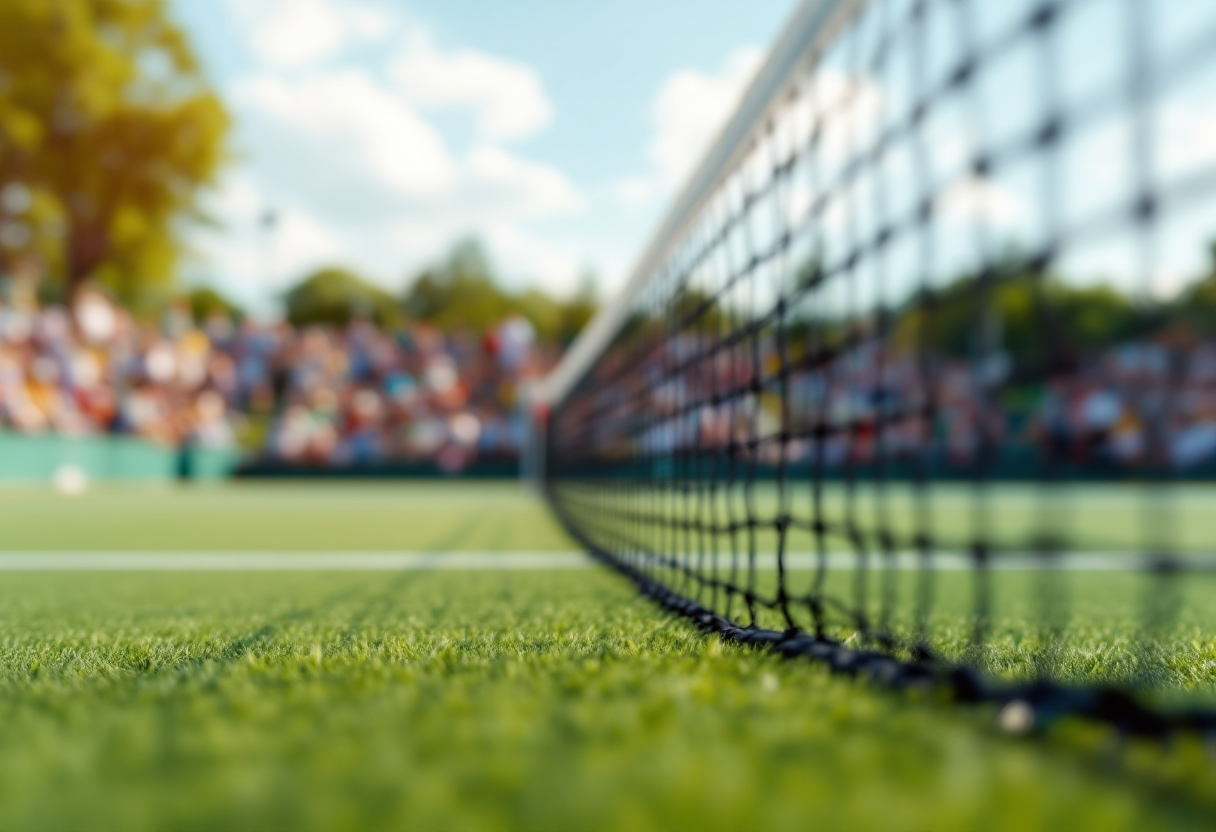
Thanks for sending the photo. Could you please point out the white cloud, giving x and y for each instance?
(346, 119)
(251, 263)
(523, 255)
(303, 240)
(634, 190)
(1186, 139)
(686, 114)
(976, 198)
(507, 97)
(691, 108)
(498, 197)
(552, 264)
(848, 106)
(298, 33)
(236, 198)
(527, 189)
(358, 176)
(340, 142)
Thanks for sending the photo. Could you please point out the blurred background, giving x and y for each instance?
(314, 236)
(347, 238)
(319, 235)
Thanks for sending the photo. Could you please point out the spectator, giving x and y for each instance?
(328, 395)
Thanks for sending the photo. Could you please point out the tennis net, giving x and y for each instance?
(918, 375)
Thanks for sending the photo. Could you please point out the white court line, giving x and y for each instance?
(262, 561)
(288, 561)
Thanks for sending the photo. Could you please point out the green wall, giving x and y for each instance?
(26, 458)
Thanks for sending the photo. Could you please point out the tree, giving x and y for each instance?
(336, 296)
(459, 293)
(558, 321)
(1195, 306)
(463, 292)
(108, 125)
(1037, 319)
(205, 302)
(579, 310)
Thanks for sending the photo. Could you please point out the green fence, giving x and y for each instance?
(45, 458)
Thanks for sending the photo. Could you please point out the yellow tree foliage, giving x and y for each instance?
(108, 134)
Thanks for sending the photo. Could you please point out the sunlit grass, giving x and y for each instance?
(425, 516)
(486, 700)
(491, 700)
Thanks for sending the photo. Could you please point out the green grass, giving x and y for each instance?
(466, 700)
(1084, 517)
(1115, 627)
(427, 516)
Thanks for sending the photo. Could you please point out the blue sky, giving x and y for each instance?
(382, 131)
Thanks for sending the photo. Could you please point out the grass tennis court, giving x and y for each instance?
(479, 516)
(307, 517)
(480, 699)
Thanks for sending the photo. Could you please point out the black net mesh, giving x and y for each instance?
(933, 371)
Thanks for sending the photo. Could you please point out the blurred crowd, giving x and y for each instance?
(1141, 403)
(326, 396)
(313, 395)
(359, 394)
(1145, 403)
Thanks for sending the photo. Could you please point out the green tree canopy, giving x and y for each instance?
(558, 321)
(464, 292)
(461, 292)
(337, 296)
(1033, 317)
(108, 132)
(205, 302)
(1195, 306)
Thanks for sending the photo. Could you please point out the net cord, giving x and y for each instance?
(812, 27)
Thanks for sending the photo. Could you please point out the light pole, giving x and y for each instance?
(268, 223)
